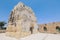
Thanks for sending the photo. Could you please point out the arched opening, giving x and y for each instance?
(58, 28)
(45, 29)
(31, 29)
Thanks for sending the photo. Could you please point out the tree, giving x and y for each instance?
(2, 23)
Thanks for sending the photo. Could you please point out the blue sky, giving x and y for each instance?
(45, 10)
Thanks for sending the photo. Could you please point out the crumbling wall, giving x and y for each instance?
(21, 19)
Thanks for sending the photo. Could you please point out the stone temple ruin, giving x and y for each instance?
(22, 21)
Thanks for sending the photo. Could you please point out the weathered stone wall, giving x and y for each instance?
(50, 28)
(22, 21)
(2, 31)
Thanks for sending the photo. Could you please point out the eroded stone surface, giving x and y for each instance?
(22, 21)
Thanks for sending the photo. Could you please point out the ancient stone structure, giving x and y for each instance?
(22, 21)
(50, 28)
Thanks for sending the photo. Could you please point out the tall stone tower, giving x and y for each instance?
(22, 21)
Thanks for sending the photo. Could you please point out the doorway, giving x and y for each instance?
(31, 29)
